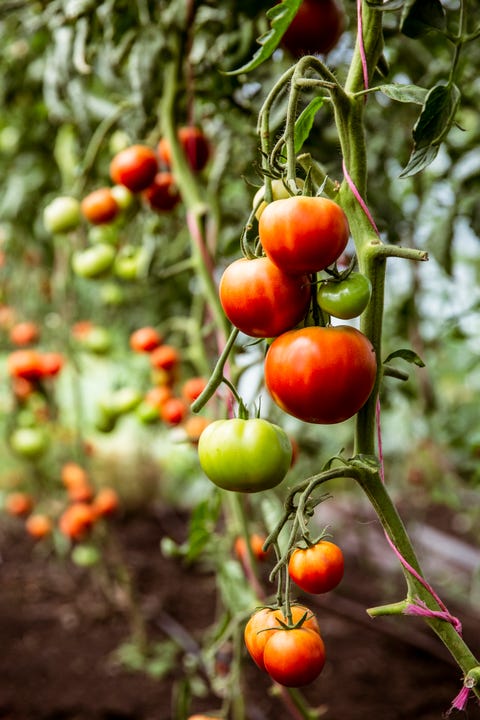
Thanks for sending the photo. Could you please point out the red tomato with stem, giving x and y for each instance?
(315, 29)
(321, 375)
(261, 299)
(267, 621)
(294, 657)
(318, 568)
(135, 167)
(303, 234)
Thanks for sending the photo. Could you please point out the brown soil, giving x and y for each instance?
(58, 634)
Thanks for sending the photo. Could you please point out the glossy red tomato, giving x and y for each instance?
(195, 146)
(267, 621)
(317, 569)
(262, 300)
(145, 339)
(315, 29)
(99, 206)
(321, 374)
(163, 194)
(294, 657)
(303, 234)
(135, 167)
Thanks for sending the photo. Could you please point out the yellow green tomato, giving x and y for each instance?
(244, 455)
(94, 261)
(346, 298)
(62, 214)
(279, 192)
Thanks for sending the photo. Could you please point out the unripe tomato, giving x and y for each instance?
(279, 192)
(130, 262)
(345, 299)
(244, 455)
(98, 340)
(93, 262)
(135, 167)
(62, 214)
(99, 206)
(267, 621)
(29, 442)
(317, 569)
(294, 657)
(122, 196)
(162, 195)
(107, 234)
(145, 339)
(262, 300)
(321, 374)
(315, 29)
(195, 146)
(85, 554)
(303, 234)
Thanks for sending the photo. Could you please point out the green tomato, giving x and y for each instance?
(29, 442)
(62, 214)
(147, 413)
(85, 555)
(123, 196)
(130, 262)
(120, 401)
(93, 262)
(346, 298)
(97, 341)
(244, 455)
(106, 233)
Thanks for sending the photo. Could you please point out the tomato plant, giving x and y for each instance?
(244, 455)
(262, 300)
(294, 657)
(303, 234)
(345, 298)
(317, 568)
(321, 374)
(135, 167)
(315, 29)
(99, 206)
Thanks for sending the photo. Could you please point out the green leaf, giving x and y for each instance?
(304, 122)
(408, 355)
(280, 17)
(421, 16)
(404, 93)
(419, 160)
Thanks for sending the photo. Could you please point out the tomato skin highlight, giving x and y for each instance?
(303, 234)
(294, 657)
(321, 375)
(266, 621)
(345, 299)
(262, 300)
(244, 455)
(317, 569)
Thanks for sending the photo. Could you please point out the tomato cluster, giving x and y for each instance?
(292, 653)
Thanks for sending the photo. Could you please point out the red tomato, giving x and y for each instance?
(256, 543)
(99, 206)
(195, 146)
(315, 29)
(262, 300)
(25, 364)
(135, 167)
(267, 621)
(24, 333)
(38, 526)
(294, 657)
(173, 411)
(77, 520)
(193, 388)
(303, 234)
(165, 357)
(162, 195)
(317, 569)
(194, 426)
(321, 374)
(145, 339)
(106, 502)
(51, 363)
(18, 503)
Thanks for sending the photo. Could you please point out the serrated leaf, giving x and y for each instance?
(304, 122)
(280, 17)
(408, 355)
(421, 16)
(404, 93)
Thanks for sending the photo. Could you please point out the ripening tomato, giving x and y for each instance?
(106, 502)
(194, 426)
(294, 657)
(38, 526)
(267, 621)
(165, 357)
(51, 363)
(145, 339)
(321, 374)
(99, 206)
(193, 387)
(315, 29)
(195, 146)
(25, 364)
(135, 167)
(163, 194)
(303, 234)
(244, 455)
(318, 568)
(173, 411)
(24, 333)
(262, 300)
(256, 544)
(345, 299)
(158, 395)
(18, 503)
(77, 520)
